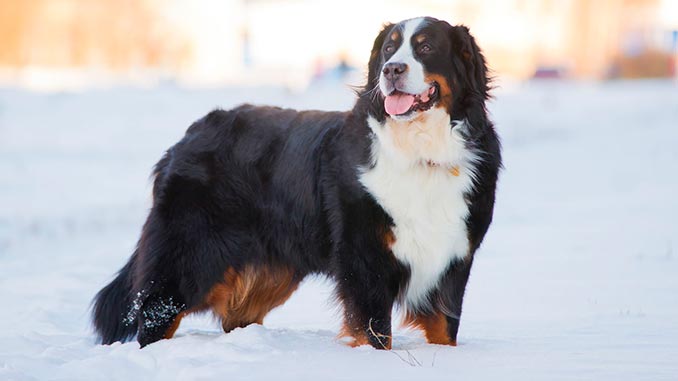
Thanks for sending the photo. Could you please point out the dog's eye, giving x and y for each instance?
(390, 48)
(425, 49)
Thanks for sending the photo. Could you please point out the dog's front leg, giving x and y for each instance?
(442, 324)
(368, 278)
(367, 313)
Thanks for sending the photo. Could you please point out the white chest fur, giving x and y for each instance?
(427, 204)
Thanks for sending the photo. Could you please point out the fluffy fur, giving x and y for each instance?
(392, 207)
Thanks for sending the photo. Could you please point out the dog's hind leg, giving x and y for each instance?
(246, 296)
(159, 314)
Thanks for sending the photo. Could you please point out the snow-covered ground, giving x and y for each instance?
(577, 278)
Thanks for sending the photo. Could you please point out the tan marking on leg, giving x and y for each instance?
(175, 325)
(245, 297)
(434, 327)
(177, 320)
(357, 337)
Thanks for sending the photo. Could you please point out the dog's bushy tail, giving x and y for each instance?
(113, 313)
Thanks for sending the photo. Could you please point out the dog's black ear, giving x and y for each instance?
(374, 67)
(475, 70)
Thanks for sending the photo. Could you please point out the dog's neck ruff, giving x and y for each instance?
(420, 177)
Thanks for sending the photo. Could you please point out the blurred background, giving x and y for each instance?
(56, 44)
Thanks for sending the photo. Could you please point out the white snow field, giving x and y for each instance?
(577, 278)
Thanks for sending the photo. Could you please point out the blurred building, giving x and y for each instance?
(65, 38)
(576, 38)
(284, 41)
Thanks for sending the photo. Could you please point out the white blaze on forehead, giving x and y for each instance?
(414, 82)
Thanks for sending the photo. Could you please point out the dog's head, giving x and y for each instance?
(421, 64)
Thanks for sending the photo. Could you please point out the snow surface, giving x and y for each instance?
(577, 278)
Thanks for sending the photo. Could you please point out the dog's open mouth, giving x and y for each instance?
(400, 104)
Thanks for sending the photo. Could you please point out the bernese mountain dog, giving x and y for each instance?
(390, 200)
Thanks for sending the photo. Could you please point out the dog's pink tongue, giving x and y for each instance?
(398, 103)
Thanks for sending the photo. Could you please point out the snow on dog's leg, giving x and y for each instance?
(159, 315)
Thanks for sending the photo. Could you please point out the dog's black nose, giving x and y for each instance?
(393, 70)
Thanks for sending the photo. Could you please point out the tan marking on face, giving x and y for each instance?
(246, 297)
(445, 96)
(395, 35)
(420, 38)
